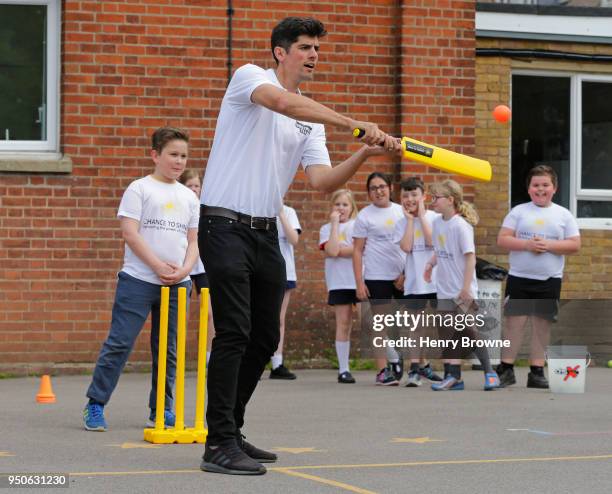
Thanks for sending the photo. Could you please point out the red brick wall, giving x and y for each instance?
(129, 67)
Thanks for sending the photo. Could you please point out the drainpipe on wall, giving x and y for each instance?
(230, 13)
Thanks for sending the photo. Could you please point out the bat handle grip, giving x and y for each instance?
(358, 133)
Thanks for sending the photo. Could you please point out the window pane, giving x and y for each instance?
(594, 209)
(22, 72)
(597, 135)
(540, 132)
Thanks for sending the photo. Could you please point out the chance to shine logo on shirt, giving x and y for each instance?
(166, 223)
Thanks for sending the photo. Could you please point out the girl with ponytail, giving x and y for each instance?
(455, 258)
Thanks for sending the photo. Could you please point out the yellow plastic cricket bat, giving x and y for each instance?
(442, 159)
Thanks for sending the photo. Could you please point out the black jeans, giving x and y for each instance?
(246, 272)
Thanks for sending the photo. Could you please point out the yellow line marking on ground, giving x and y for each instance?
(454, 462)
(416, 440)
(367, 465)
(134, 472)
(5, 454)
(297, 451)
(333, 483)
(135, 445)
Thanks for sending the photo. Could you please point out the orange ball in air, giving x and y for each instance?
(502, 113)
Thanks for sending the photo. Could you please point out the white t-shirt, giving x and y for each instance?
(165, 212)
(256, 152)
(285, 247)
(551, 223)
(453, 239)
(339, 273)
(414, 283)
(382, 258)
(198, 267)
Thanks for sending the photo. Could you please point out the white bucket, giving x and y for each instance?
(567, 367)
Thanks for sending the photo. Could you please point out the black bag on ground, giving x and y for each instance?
(489, 271)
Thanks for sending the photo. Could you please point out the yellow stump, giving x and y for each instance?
(179, 434)
(201, 381)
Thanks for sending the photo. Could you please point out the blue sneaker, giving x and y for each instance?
(93, 417)
(449, 383)
(428, 373)
(491, 381)
(169, 418)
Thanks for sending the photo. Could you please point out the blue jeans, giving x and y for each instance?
(134, 300)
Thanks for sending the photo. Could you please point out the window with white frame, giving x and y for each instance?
(565, 120)
(29, 76)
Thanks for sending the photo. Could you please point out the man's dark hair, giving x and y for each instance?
(164, 135)
(290, 29)
(541, 170)
(413, 183)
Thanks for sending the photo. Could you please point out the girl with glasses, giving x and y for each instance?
(378, 262)
(455, 258)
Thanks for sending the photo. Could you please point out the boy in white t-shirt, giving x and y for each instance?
(159, 223)
(289, 230)
(538, 235)
(414, 235)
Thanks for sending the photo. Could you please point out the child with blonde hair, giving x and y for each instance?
(455, 258)
(336, 241)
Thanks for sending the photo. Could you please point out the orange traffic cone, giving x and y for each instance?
(45, 393)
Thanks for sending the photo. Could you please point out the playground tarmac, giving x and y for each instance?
(330, 438)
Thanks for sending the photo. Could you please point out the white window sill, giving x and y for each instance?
(35, 163)
(594, 223)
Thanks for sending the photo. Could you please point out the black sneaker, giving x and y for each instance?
(228, 458)
(537, 381)
(506, 376)
(254, 452)
(346, 378)
(281, 372)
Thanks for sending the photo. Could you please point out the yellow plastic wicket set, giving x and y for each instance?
(179, 433)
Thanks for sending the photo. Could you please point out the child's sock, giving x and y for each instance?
(342, 351)
(455, 371)
(277, 360)
(483, 355)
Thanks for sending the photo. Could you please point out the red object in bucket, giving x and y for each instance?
(572, 373)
